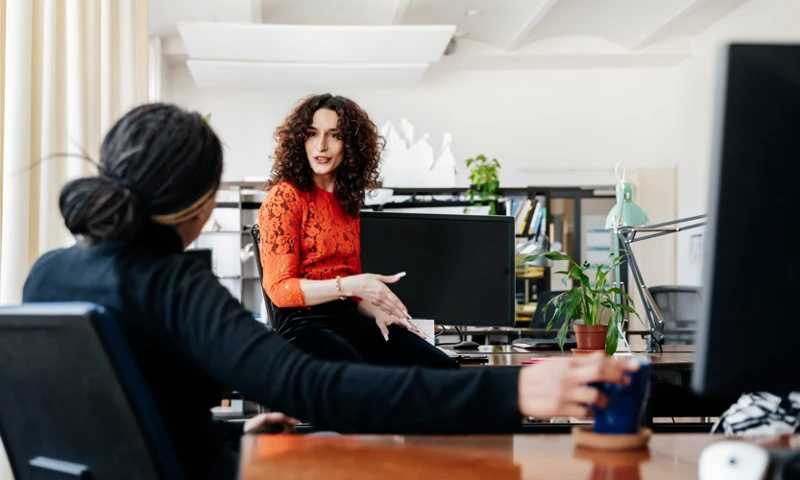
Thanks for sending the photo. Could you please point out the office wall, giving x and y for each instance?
(756, 20)
(566, 127)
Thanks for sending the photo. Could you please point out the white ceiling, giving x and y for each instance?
(488, 34)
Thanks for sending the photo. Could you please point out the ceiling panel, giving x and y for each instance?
(693, 20)
(163, 15)
(313, 77)
(624, 22)
(331, 12)
(307, 43)
(496, 23)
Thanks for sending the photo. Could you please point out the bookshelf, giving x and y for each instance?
(236, 210)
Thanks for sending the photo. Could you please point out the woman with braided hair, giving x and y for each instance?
(159, 171)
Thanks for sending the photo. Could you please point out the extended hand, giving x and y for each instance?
(559, 387)
(384, 320)
(372, 288)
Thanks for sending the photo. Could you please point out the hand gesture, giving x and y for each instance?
(372, 288)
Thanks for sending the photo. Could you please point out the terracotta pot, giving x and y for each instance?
(591, 337)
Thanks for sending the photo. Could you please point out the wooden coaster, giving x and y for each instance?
(586, 438)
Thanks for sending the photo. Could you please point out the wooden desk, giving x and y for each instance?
(671, 397)
(499, 355)
(467, 457)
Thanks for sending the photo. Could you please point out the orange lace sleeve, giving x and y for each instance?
(280, 220)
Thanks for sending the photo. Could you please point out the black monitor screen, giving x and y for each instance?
(749, 338)
(459, 268)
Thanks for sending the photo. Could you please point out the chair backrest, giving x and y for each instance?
(270, 307)
(73, 402)
(681, 309)
(539, 320)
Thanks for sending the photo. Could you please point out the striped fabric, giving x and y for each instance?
(761, 414)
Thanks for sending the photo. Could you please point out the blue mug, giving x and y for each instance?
(623, 413)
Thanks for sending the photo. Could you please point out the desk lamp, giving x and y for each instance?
(625, 213)
(627, 235)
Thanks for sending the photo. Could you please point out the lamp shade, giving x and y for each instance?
(626, 213)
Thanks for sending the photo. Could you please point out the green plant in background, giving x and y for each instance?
(207, 118)
(587, 300)
(484, 181)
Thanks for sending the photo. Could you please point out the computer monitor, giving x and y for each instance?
(459, 268)
(748, 337)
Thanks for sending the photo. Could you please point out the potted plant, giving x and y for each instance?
(484, 181)
(590, 301)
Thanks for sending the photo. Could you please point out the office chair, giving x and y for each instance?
(254, 232)
(680, 307)
(539, 320)
(541, 340)
(74, 404)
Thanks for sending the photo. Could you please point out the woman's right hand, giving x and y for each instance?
(559, 387)
(372, 288)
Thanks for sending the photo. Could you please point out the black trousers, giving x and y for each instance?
(337, 331)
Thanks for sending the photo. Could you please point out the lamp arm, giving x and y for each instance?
(654, 317)
(628, 236)
(673, 222)
(658, 232)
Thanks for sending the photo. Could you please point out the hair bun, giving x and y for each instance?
(99, 209)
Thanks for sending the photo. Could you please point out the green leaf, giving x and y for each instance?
(562, 335)
(627, 308)
(573, 308)
(612, 338)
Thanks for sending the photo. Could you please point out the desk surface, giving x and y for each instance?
(466, 457)
(507, 355)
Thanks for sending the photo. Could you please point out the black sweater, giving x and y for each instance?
(193, 341)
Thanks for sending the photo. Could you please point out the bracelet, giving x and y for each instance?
(339, 288)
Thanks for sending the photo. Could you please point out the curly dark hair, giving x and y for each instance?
(363, 146)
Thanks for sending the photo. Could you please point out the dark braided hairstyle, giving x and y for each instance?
(157, 159)
(363, 146)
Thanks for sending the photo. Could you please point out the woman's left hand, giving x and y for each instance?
(383, 320)
(271, 418)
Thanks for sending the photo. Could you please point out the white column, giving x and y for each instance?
(54, 135)
(92, 44)
(155, 70)
(141, 39)
(16, 151)
(76, 89)
(35, 131)
(109, 64)
(127, 55)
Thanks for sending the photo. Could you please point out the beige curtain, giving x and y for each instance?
(68, 70)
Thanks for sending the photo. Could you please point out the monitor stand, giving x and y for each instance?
(466, 345)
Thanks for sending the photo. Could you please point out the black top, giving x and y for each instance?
(193, 341)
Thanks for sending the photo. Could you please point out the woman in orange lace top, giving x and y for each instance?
(327, 156)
